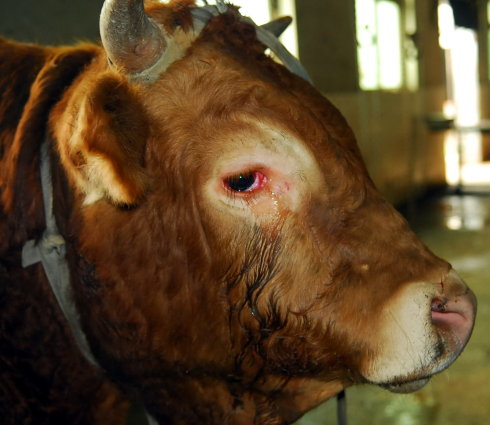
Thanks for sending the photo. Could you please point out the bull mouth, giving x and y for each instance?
(405, 387)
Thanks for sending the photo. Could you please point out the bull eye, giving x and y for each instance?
(245, 182)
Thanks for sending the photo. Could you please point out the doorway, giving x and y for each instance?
(465, 165)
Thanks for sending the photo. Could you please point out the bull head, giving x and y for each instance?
(258, 271)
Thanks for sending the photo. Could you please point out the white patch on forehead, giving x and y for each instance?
(269, 143)
(290, 168)
(405, 340)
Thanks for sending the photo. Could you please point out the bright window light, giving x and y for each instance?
(464, 64)
(445, 18)
(451, 158)
(262, 11)
(379, 54)
(411, 53)
(367, 51)
(410, 17)
(258, 10)
(463, 151)
(290, 37)
(389, 45)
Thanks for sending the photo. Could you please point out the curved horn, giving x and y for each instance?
(132, 40)
(278, 26)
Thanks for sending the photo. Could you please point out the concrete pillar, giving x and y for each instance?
(327, 43)
(431, 56)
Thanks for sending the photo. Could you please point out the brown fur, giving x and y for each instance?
(204, 319)
(39, 361)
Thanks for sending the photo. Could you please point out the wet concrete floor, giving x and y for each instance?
(457, 228)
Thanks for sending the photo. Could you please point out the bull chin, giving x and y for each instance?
(406, 387)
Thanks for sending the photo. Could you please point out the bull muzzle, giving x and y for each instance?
(453, 312)
(422, 331)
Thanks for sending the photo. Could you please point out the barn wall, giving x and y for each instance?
(403, 156)
(484, 71)
(50, 21)
(327, 43)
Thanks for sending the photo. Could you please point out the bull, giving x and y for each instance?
(187, 224)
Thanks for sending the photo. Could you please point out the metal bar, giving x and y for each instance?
(341, 409)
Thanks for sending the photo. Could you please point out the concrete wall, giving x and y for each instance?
(402, 155)
(50, 21)
(483, 59)
(431, 56)
(327, 43)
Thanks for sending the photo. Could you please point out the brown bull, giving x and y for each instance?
(231, 262)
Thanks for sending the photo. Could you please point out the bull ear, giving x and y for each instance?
(133, 42)
(278, 26)
(106, 152)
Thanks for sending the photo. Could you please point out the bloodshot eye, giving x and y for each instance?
(245, 182)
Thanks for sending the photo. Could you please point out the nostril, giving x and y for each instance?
(445, 315)
(454, 316)
(439, 304)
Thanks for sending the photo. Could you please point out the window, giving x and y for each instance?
(258, 10)
(410, 48)
(382, 62)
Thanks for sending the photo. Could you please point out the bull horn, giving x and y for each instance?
(278, 26)
(133, 42)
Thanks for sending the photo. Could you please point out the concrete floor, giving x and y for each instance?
(456, 228)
